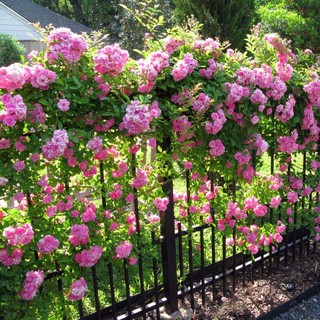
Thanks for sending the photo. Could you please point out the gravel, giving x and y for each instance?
(307, 310)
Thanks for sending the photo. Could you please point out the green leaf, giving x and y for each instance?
(125, 7)
(43, 102)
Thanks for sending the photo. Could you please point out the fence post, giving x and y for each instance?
(168, 246)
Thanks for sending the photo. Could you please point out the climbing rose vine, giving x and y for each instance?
(76, 124)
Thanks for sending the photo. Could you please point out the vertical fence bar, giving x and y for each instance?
(110, 268)
(140, 262)
(29, 203)
(213, 242)
(271, 210)
(270, 245)
(261, 253)
(286, 244)
(317, 200)
(191, 270)
(234, 241)
(213, 261)
(234, 275)
(181, 268)
(180, 251)
(67, 186)
(308, 229)
(243, 270)
(272, 157)
(60, 288)
(155, 277)
(59, 281)
(254, 160)
(127, 283)
(169, 251)
(252, 269)
(80, 308)
(302, 227)
(295, 217)
(254, 221)
(190, 242)
(113, 300)
(287, 229)
(95, 289)
(203, 292)
(224, 267)
(278, 251)
(168, 246)
(102, 181)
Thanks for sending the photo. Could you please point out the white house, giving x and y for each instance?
(18, 16)
(15, 25)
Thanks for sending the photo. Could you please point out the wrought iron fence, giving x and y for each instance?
(196, 259)
(186, 259)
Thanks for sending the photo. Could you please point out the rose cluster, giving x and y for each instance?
(63, 42)
(138, 117)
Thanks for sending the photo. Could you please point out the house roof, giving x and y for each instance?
(18, 27)
(34, 13)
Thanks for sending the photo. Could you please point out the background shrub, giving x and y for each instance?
(10, 50)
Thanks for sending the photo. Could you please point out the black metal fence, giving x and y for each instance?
(209, 275)
(186, 259)
(191, 260)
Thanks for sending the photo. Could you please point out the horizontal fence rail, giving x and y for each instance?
(202, 278)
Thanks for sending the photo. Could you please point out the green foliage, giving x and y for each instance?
(154, 17)
(117, 18)
(99, 158)
(10, 50)
(296, 20)
(229, 21)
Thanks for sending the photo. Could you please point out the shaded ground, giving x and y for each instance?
(257, 297)
(261, 295)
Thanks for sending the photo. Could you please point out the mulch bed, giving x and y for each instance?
(260, 296)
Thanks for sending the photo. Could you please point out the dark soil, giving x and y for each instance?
(263, 291)
(262, 294)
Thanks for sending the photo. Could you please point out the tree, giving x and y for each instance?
(108, 16)
(92, 13)
(228, 20)
(131, 33)
(10, 50)
(296, 20)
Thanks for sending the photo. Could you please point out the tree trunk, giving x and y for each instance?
(77, 8)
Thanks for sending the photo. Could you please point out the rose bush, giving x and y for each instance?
(78, 121)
